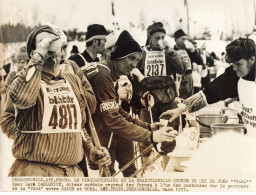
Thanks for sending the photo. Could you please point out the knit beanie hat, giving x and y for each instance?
(22, 54)
(156, 27)
(95, 31)
(179, 33)
(125, 46)
(239, 49)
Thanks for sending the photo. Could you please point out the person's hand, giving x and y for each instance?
(189, 46)
(101, 157)
(147, 100)
(166, 134)
(136, 72)
(155, 126)
(43, 46)
(171, 115)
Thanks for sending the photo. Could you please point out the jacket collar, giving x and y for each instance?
(251, 75)
(48, 77)
(112, 65)
(89, 58)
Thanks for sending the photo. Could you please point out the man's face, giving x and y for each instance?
(180, 42)
(57, 54)
(19, 63)
(126, 64)
(154, 38)
(243, 66)
(100, 45)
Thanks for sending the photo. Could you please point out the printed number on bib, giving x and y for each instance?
(64, 116)
(62, 112)
(155, 64)
(155, 69)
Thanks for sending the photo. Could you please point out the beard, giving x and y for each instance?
(52, 65)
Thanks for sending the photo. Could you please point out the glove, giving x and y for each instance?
(124, 89)
(147, 100)
(136, 72)
(167, 147)
(189, 46)
(43, 46)
(101, 157)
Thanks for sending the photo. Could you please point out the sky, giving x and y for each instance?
(216, 15)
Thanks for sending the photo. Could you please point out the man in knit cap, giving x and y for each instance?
(50, 138)
(188, 55)
(237, 81)
(95, 41)
(19, 60)
(155, 73)
(109, 116)
(127, 100)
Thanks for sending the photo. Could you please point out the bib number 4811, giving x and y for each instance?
(63, 116)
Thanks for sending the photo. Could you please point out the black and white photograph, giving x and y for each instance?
(127, 95)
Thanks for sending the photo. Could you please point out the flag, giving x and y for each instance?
(113, 9)
(185, 3)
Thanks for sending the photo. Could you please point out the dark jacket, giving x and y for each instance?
(194, 56)
(80, 61)
(109, 116)
(225, 86)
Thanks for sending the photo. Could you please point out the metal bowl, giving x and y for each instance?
(224, 127)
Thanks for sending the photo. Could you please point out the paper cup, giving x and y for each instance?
(164, 123)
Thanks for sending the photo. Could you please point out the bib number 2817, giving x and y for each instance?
(63, 116)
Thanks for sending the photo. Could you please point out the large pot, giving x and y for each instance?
(206, 120)
(223, 127)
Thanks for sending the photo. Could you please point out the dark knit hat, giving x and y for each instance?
(239, 49)
(74, 49)
(179, 33)
(95, 31)
(31, 40)
(125, 46)
(156, 27)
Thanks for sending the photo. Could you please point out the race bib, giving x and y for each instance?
(155, 64)
(248, 104)
(61, 108)
(185, 58)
